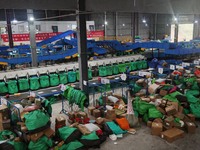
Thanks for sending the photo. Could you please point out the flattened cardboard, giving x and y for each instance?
(172, 134)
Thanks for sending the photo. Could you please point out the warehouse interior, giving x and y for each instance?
(91, 74)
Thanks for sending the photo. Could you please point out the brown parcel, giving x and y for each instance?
(169, 122)
(158, 120)
(191, 127)
(36, 136)
(60, 120)
(163, 92)
(172, 134)
(90, 110)
(4, 111)
(111, 115)
(83, 129)
(156, 128)
(149, 124)
(100, 120)
(191, 117)
(82, 115)
(171, 110)
(49, 132)
(161, 110)
(96, 113)
(153, 88)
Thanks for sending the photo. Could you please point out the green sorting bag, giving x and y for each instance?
(71, 76)
(122, 68)
(109, 70)
(133, 66)
(36, 119)
(5, 134)
(115, 128)
(42, 143)
(3, 88)
(139, 65)
(144, 64)
(23, 84)
(54, 80)
(102, 71)
(12, 87)
(115, 69)
(141, 107)
(89, 74)
(63, 78)
(34, 83)
(44, 81)
(71, 146)
(195, 109)
(154, 113)
(19, 146)
(172, 96)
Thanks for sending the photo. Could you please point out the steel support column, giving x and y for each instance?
(105, 25)
(133, 24)
(176, 33)
(136, 23)
(9, 28)
(32, 37)
(82, 46)
(116, 25)
(155, 26)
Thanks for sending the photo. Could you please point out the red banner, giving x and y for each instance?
(43, 36)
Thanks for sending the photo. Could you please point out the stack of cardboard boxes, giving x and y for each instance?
(4, 118)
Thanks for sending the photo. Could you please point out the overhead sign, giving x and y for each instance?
(172, 67)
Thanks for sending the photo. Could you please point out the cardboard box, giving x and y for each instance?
(169, 121)
(111, 115)
(5, 112)
(153, 88)
(191, 117)
(179, 115)
(176, 105)
(156, 128)
(83, 129)
(146, 99)
(149, 124)
(60, 120)
(71, 115)
(158, 120)
(161, 110)
(180, 109)
(171, 110)
(90, 110)
(172, 134)
(100, 120)
(96, 113)
(36, 136)
(61, 143)
(6, 124)
(163, 92)
(49, 132)
(191, 127)
(82, 115)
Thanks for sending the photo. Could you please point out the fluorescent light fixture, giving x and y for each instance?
(14, 21)
(123, 24)
(175, 19)
(31, 19)
(144, 21)
(196, 21)
(146, 24)
(102, 25)
(167, 25)
(106, 23)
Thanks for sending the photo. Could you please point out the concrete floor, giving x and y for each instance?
(143, 140)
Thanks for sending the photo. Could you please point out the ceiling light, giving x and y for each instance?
(175, 19)
(146, 24)
(106, 23)
(144, 21)
(102, 25)
(196, 21)
(14, 21)
(31, 19)
(123, 24)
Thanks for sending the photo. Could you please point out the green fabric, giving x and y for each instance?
(36, 119)
(102, 71)
(52, 99)
(144, 64)
(71, 76)
(109, 70)
(71, 146)
(34, 83)
(19, 146)
(47, 106)
(133, 66)
(54, 80)
(115, 128)
(186, 111)
(122, 68)
(190, 94)
(12, 86)
(42, 143)
(44, 81)
(140, 65)
(23, 84)
(136, 88)
(6, 133)
(195, 86)
(195, 109)
(104, 88)
(167, 87)
(63, 78)
(3, 88)
(91, 136)
(65, 132)
(75, 96)
(115, 69)
(154, 113)
(141, 107)
(146, 117)
(172, 96)
(89, 74)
